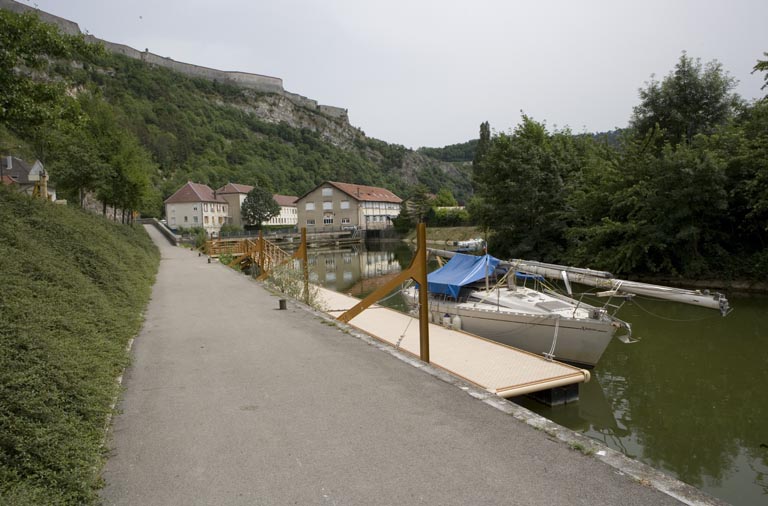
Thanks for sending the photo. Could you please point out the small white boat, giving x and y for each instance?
(540, 321)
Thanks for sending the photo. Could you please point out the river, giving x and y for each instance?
(689, 398)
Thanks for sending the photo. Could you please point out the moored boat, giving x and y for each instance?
(490, 298)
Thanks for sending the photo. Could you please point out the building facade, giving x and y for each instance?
(196, 205)
(235, 195)
(334, 205)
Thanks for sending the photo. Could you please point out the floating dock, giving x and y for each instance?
(497, 368)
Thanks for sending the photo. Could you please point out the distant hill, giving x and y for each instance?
(464, 152)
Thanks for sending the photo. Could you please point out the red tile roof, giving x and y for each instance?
(367, 193)
(230, 188)
(194, 192)
(285, 200)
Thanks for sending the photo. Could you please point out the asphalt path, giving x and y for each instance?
(230, 401)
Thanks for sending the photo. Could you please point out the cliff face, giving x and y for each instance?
(277, 108)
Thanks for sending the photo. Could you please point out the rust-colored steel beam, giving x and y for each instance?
(417, 271)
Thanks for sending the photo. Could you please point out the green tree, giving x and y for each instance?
(444, 198)
(762, 65)
(692, 99)
(521, 187)
(29, 47)
(259, 206)
(418, 205)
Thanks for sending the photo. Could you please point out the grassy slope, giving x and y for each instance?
(72, 293)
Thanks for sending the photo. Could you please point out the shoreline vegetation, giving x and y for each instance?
(74, 289)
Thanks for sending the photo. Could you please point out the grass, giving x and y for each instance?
(73, 290)
(448, 234)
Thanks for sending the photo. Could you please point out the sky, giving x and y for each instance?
(428, 72)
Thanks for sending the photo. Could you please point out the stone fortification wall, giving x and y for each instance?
(257, 82)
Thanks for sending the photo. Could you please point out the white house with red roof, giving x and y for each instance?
(196, 205)
(235, 195)
(333, 205)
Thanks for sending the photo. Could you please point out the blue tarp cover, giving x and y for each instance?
(459, 271)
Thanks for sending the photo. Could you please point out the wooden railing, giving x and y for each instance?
(266, 254)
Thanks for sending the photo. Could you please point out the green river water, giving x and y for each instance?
(690, 398)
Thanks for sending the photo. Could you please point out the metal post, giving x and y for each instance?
(416, 271)
(304, 263)
(261, 252)
(420, 276)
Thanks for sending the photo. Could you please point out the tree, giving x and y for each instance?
(28, 48)
(444, 198)
(692, 99)
(762, 65)
(418, 205)
(520, 187)
(259, 206)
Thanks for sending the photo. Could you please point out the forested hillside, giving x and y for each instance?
(133, 133)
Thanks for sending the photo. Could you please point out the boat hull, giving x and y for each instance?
(580, 342)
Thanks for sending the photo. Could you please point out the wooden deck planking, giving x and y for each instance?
(498, 368)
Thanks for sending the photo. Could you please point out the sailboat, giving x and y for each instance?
(492, 298)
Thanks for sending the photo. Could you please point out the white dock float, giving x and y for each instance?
(497, 368)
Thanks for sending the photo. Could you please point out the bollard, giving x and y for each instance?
(209, 259)
(283, 304)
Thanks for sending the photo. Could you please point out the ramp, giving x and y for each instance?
(497, 368)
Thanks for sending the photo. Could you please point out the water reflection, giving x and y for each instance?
(357, 270)
(689, 398)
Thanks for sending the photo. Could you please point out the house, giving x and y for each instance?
(196, 205)
(333, 205)
(25, 178)
(235, 195)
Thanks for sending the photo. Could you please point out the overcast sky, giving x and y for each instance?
(428, 72)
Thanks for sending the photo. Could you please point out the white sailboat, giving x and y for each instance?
(536, 319)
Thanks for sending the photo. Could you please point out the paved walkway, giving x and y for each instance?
(230, 401)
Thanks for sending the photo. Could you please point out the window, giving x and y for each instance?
(173, 220)
(194, 218)
(327, 206)
(345, 221)
(309, 206)
(328, 219)
(310, 222)
(186, 219)
(345, 204)
(327, 192)
(221, 220)
(194, 208)
(205, 207)
(204, 219)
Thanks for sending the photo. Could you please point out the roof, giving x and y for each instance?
(194, 192)
(285, 200)
(231, 188)
(362, 193)
(7, 180)
(16, 168)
